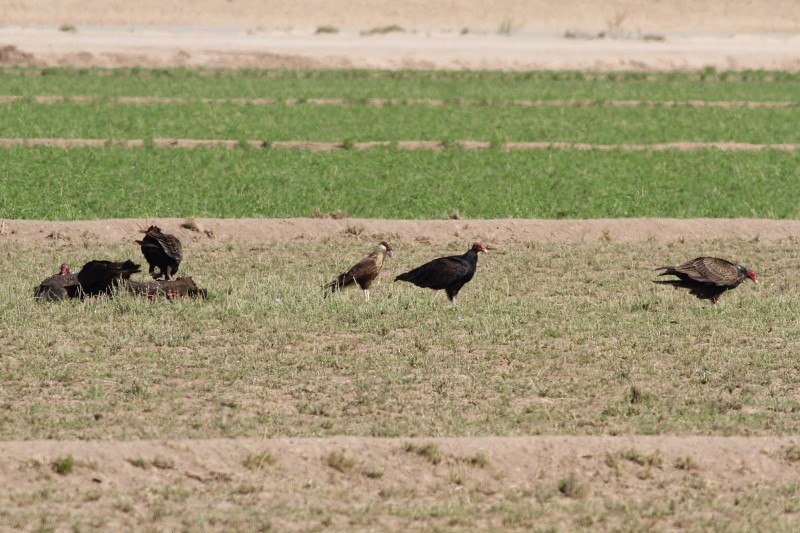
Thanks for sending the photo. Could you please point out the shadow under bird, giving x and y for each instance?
(161, 250)
(707, 277)
(59, 286)
(448, 273)
(99, 277)
(362, 273)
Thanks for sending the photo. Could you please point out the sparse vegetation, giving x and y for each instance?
(572, 487)
(430, 452)
(384, 30)
(259, 461)
(63, 465)
(139, 462)
(341, 461)
(687, 463)
(329, 30)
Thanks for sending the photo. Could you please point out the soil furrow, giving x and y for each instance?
(383, 102)
(681, 146)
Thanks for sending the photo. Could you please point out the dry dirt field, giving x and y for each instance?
(158, 485)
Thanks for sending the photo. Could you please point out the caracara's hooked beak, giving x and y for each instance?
(390, 252)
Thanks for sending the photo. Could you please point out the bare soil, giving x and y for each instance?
(492, 232)
(508, 34)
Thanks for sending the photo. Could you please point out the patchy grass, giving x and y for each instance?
(260, 461)
(547, 338)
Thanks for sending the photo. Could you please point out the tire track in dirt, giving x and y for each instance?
(314, 146)
(385, 102)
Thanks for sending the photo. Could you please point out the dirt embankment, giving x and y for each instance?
(503, 231)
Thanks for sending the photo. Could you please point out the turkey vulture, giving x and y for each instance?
(362, 273)
(707, 277)
(448, 273)
(97, 277)
(161, 250)
(59, 286)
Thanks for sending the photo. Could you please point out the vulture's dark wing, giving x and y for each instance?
(170, 244)
(439, 273)
(711, 270)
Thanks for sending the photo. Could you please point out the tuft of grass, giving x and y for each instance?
(642, 459)
(139, 462)
(259, 461)
(191, 224)
(430, 452)
(163, 463)
(572, 487)
(327, 30)
(480, 459)
(67, 28)
(384, 30)
(687, 463)
(506, 28)
(339, 460)
(63, 465)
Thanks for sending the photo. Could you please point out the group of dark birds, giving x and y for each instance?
(162, 251)
(706, 278)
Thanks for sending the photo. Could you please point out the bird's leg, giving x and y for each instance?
(168, 275)
(366, 294)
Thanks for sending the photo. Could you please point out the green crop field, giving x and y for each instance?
(390, 182)
(606, 125)
(359, 85)
(90, 183)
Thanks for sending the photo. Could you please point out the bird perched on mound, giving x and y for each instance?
(161, 250)
(448, 273)
(707, 277)
(59, 286)
(98, 277)
(362, 273)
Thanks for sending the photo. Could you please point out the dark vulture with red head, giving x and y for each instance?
(448, 273)
(362, 273)
(161, 250)
(707, 277)
(59, 286)
(99, 277)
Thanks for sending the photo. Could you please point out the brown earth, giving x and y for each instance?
(493, 232)
(507, 34)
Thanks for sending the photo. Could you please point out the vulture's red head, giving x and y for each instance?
(752, 275)
(64, 269)
(478, 247)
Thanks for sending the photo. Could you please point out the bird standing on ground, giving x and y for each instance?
(98, 277)
(59, 286)
(161, 250)
(362, 273)
(707, 277)
(448, 273)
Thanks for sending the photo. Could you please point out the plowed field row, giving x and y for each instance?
(407, 145)
(381, 102)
